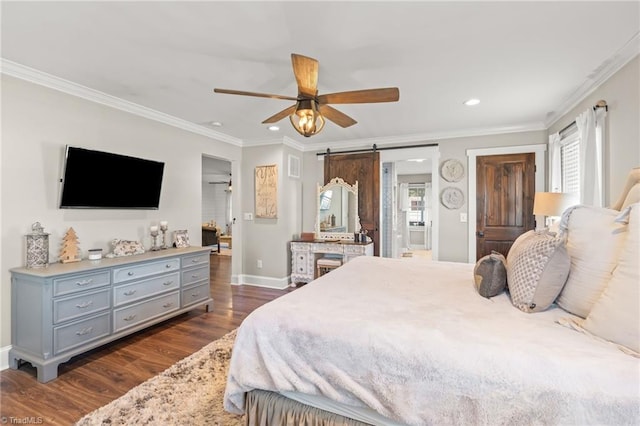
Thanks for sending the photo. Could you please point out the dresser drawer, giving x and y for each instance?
(129, 316)
(137, 290)
(80, 333)
(192, 276)
(81, 305)
(195, 260)
(128, 273)
(300, 266)
(81, 282)
(195, 294)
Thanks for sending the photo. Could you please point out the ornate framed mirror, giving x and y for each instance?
(337, 210)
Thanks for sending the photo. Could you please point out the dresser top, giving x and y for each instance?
(54, 269)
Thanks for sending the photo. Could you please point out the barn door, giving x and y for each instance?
(364, 168)
(505, 186)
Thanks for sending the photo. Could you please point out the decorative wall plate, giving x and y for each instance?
(452, 170)
(452, 198)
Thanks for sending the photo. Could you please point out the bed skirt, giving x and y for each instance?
(270, 408)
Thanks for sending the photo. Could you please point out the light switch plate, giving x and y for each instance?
(463, 217)
(248, 216)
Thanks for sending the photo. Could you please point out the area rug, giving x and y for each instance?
(188, 393)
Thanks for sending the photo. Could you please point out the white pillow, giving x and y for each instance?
(594, 242)
(537, 268)
(616, 314)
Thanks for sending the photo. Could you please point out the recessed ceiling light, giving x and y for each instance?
(216, 124)
(472, 102)
(273, 128)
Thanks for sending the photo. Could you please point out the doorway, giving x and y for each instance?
(472, 154)
(409, 214)
(217, 218)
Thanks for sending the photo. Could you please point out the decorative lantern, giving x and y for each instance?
(37, 247)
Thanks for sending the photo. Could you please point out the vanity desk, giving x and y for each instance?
(304, 255)
(337, 221)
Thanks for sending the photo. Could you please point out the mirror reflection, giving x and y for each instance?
(337, 215)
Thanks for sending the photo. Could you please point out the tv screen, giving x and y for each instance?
(102, 180)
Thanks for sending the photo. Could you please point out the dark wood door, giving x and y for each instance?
(505, 186)
(364, 168)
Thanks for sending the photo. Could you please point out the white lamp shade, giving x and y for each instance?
(552, 203)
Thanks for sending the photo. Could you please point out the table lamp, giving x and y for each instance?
(551, 205)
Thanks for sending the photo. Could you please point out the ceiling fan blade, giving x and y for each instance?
(260, 95)
(306, 72)
(388, 94)
(279, 116)
(341, 119)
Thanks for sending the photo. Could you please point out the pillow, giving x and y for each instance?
(616, 316)
(537, 268)
(594, 243)
(490, 274)
(125, 248)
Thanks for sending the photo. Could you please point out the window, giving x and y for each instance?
(570, 162)
(577, 157)
(416, 204)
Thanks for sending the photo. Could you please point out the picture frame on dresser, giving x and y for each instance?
(181, 238)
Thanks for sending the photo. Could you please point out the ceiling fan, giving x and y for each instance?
(308, 113)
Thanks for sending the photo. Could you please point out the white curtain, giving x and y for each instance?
(555, 166)
(591, 131)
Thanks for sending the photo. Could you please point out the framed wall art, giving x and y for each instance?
(452, 198)
(266, 181)
(452, 170)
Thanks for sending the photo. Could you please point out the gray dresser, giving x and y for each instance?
(65, 309)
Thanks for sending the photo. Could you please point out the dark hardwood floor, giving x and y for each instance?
(95, 378)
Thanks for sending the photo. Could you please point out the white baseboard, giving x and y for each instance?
(259, 281)
(4, 357)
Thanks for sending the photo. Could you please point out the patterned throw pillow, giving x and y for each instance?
(490, 274)
(537, 269)
(125, 248)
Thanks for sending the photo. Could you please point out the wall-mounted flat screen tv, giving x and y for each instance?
(102, 180)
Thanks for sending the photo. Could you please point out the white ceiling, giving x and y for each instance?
(527, 62)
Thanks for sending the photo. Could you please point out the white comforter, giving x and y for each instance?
(415, 342)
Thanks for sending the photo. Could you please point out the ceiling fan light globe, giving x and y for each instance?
(306, 119)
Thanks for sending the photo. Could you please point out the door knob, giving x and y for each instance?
(480, 234)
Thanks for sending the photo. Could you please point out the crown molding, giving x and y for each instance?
(32, 75)
(607, 69)
(423, 137)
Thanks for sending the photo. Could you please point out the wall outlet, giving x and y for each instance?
(463, 217)
(259, 263)
(248, 216)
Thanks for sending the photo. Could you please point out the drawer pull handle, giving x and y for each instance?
(84, 331)
(84, 282)
(129, 318)
(84, 305)
(196, 294)
(130, 273)
(167, 283)
(129, 293)
(195, 276)
(167, 305)
(168, 265)
(196, 260)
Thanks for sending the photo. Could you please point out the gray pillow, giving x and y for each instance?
(537, 269)
(490, 274)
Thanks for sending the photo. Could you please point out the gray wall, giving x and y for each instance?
(37, 123)
(622, 93)
(267, 239)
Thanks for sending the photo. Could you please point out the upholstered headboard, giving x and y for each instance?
(631, 192)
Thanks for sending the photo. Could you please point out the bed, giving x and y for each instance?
(412, 342)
